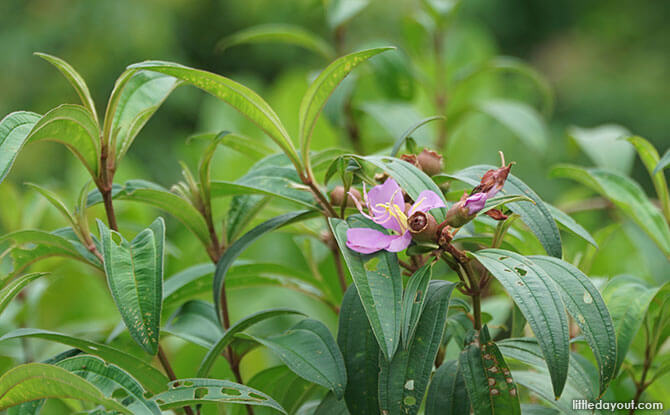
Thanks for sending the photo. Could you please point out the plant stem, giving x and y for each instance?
(339, 268)
(642, 385)
(162, 357)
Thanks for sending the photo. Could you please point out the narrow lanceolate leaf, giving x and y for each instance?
(195, 391)
(75, 79)
(141, 96)
(228, 336)
(54, 200)
(195, 321)
(14, 130)
(135, 276)
(403, 380)
(15, 287)
(408, 133)
(241, 244)
(605, 147)
(339, 12)
(626, 195)
(34, 381)
(361, 356)
(567, 223)
(410, 178)
(330, 405)
(488, 379)
(320, 90)
(663, 162)
(111, 381)
(539, 300)
(310, 351)
(522, 119)
(379, 284)
(243, 99)
(248, 146)
(447, 394)
(584, 302)
(152, 379)
(279, 33)
(651, 160)
(536, 215)
(628, 300)
(74, 127)
(414, 300)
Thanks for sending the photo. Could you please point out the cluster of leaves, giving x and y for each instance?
(429, 342)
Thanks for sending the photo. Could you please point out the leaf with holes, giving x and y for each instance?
(34, 381)
(403, 380)
(379, 284)
(152, 379)
(310, 351)
(539, 300)
(447, 394)
(584, 302)
(414, 300)
(195, 391)
(112, 381)
(135, 276)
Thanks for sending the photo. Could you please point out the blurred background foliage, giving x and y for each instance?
(606, 61)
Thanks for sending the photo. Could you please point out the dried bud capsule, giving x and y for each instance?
(423, 226)
(496, 214)
(493, 180)
(411, 159)
(337, 196)
(430, 162)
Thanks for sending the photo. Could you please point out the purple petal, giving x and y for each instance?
(385, 193)
(426, 201)
(400, 242)
(495, 189)
(475, 203)
(367, 241)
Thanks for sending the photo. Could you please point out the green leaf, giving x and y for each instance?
(447, 394)
(393, 117)
(248, 146)
(74, 127)
(241, 244)
(361, 355)
(566, 222)
(650, 159)
(279, 33)
(584, 302)
(14, 130)
(330, 405)
(310, 351)
(626, 195)
(195, 321)
(320, 90)
(112, 381)
(195, 391)
(410, 178)
(139, 98)
(338, 12)
(379, 284)
(228, 336)
(537, 383)
(53, 199)
(521, 119)
(150, 377)
(603, 146)
(157, 196)
(488, 380)
(135, 276)
(75, 79)
(38, 381)
(407, 134)
(537, 216)
(628, 300)
(15, 287)
(539, 300)
(403, 380)
(662, 163)
(243, 99)
(414, 300)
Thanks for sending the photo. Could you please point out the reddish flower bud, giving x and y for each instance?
(411, 159)
(430, 162)
(423, 226)
(493, 180)
(337, 196)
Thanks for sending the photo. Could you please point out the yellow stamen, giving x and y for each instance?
(395, 212)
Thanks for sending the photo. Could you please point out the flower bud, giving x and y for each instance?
(493, 180)
(465, 209)
(337, 196)
(430, 162)
(423, 226)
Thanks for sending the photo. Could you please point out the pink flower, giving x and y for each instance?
(386, 207)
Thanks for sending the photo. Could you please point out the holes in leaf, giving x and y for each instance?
(229, 391)
(409, 400)
(119, 394)
(201, 393)
(188, 383)
(418, 296)
(502, 258)
(160, 401)
(520, 271)
(117, 238)
(257, 396)
(148, 395)
(175, 384)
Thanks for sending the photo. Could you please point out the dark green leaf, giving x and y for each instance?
(447, 394)
(570, 224)
(14, 130)
(379, 284)
(279, 33)
(330, 405)
(195, 321)
(414, 300)
(539, 300)
(135, 276)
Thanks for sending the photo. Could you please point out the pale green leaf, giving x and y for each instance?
(279, 33)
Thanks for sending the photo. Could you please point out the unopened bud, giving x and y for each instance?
(423, 226)
(337, 196)
(430, 162)
(465, 209)
(493, 180)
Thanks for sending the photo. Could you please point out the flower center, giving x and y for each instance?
(395, 212)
